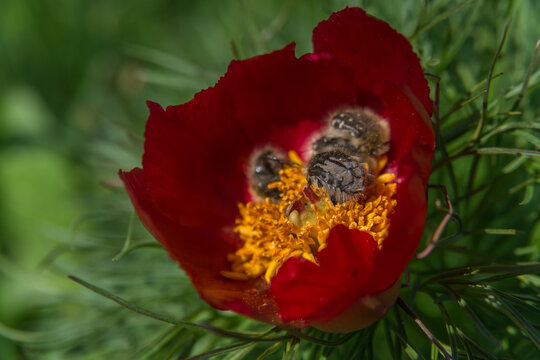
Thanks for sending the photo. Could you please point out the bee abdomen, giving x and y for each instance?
(328, 143)
(366, 131)
(344, 177)
(266, 169)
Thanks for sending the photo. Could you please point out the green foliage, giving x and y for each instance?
(75, 78)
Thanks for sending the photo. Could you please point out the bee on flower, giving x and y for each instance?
(293, 191)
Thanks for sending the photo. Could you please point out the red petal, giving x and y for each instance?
(406, 228)
(201, 253)
(414, 140)
(307, 291)
(196, 153)
(411, 156)
(376, 52)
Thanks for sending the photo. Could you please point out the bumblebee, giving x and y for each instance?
(265, 170)
(344, 177)
(343, 161)
(345, 155)
(356, 130)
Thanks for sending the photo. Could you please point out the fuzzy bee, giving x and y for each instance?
(265, 170)
(344, 157)
(355, 130)
(343, 160)
(344, 177)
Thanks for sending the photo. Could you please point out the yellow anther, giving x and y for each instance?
(234, 275)
(293, 156)
(380, 166)
(271, 270)
(384, 178)
(309, 256)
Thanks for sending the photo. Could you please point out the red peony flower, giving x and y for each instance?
(335, 269)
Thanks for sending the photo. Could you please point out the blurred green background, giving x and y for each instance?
(74, 77)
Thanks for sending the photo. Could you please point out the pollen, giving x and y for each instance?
(299, 225)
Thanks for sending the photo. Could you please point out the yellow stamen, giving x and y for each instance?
(235, 275)
(293, 156)
(271, 235)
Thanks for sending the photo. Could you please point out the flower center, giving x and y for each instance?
(300, 224)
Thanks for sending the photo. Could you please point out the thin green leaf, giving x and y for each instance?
(25, 336)
(440, 17)
(410, 349)
(518, 319)
(503, 270)
(485, 103)
(509, 127)
(434, 352)
(506, 151)
(470, 97)
(340, 340)
(241, 354)
(270, 350)
(166, 79)
(424, 328)
(394, 351)
(290, 349)
(528, 196)
(513, 165)
(501, 231)
(158, 343)
(517, 300)
(487, 151)
(450, 330)
(129, 237)
(528, 76)
(534, 80)
(523, 184)
(167, 319)
(364, 337)
(468, 343)
(472, 315)
(170, 62)
(528, 137)
(221, 350)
